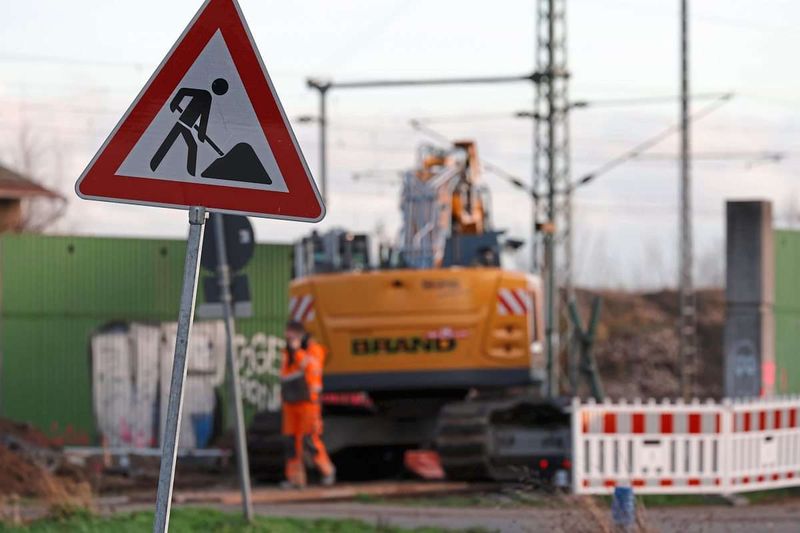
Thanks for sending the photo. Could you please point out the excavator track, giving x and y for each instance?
(464, 441)
(499, 440)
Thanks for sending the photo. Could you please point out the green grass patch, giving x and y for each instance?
(191, 520)
(677, 500)
(367, 498)
(668, 500)
(688, 500)
(772, 496)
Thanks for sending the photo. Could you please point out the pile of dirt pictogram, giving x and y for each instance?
(240, 164)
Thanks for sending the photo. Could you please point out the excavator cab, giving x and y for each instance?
(335, 251)
(473, 250)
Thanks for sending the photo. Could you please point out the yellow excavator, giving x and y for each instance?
(433, 347)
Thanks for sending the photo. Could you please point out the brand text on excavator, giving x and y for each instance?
(402, 345)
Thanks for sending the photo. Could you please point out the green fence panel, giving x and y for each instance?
(55, 291)
(787, 311)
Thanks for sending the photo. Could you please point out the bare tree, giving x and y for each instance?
(39, 213)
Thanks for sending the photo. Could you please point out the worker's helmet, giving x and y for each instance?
(295, 326)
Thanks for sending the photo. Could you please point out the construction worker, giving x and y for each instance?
(301, 386)
(196, 115)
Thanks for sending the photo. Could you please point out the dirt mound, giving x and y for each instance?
(19, 476)
(31, 466)
(637, 343)
(25, 432)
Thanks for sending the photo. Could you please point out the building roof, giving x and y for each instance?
(15, 186)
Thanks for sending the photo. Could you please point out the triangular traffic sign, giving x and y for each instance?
(207, 130)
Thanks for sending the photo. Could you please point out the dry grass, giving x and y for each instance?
(63, 492)
(10, 512)
(65, 497)
(592, 515)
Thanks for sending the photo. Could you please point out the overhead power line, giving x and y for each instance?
(732, 22)
(645, 100)
(637, 150)
(56, 60)
(721, 156)
(357, 42)
(385, 176)
(636, 153)
(588, 103)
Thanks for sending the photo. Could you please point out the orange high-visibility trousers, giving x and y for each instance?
(302, 422)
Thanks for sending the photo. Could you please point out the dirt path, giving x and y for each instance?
(490, 511)
(711, 519)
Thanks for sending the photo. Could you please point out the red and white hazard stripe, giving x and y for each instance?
(514, 301)
(301, 308)
(649, 422)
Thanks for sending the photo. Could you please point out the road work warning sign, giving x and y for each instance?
(207, 130)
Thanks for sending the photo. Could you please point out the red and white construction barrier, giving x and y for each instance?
(677, 448)
(764, 444)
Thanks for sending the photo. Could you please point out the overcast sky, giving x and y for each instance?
(70, 69)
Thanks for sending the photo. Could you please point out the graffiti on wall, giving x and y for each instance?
(131, 371)
(125, 384)
(743, 357)
(259, 360)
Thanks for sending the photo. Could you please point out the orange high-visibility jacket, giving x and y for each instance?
(308, 362)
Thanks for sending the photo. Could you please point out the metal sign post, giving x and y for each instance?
(169, 449)
(263, 173)
(223, 270)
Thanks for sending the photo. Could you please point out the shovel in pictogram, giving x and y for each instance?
(240, 163)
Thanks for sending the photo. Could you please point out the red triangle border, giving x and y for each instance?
(302, 201)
